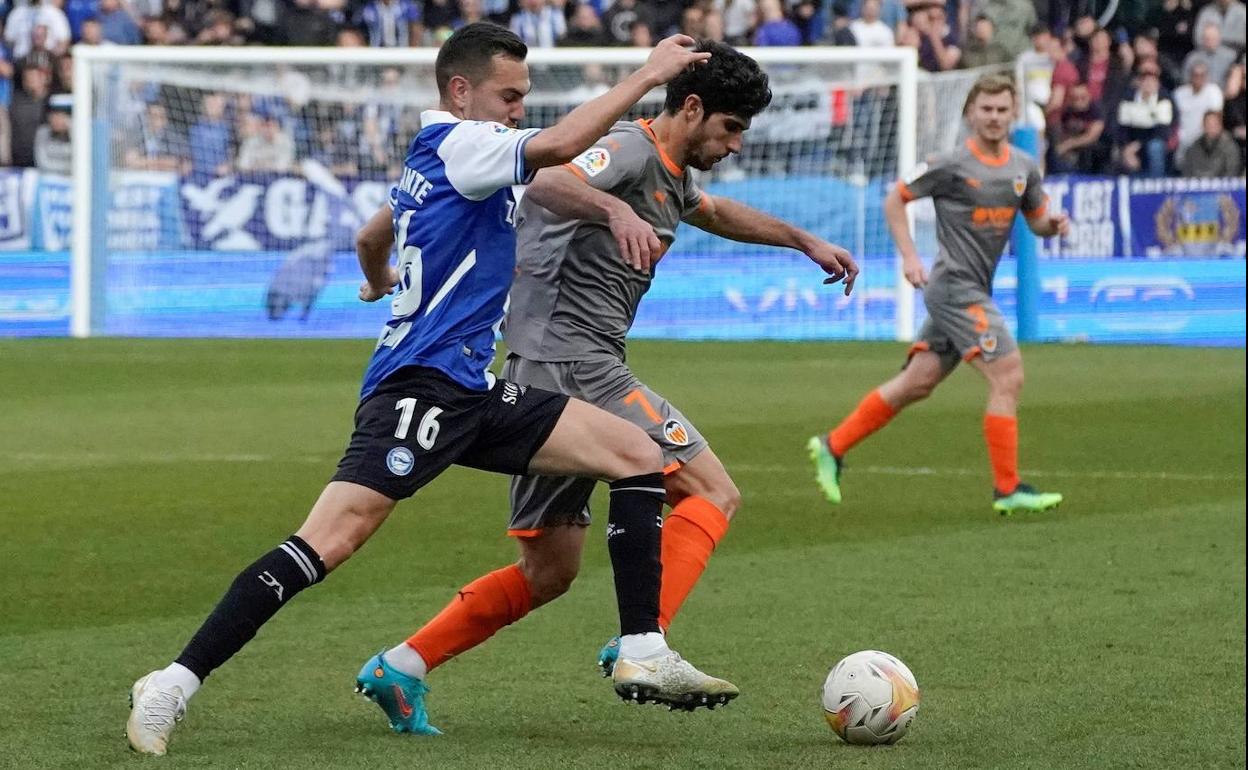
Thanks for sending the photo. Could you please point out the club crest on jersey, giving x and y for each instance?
(988, 342)
(400, 461)
(1020, 184)
(593, 161)
(499, 128)
(675, 432)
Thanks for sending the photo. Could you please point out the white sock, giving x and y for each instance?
(176, 674)
(405, 658)
(642, 646)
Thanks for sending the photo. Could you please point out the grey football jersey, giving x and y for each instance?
(574, 298)
(976, 198)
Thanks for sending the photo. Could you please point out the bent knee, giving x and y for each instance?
(548, 582)
(638, 454)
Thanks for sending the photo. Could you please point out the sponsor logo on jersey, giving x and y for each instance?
(400, 461)
(499, 128)
(998, 217)
(675, 432)
(988, 342)
(1020, 184)
(593, 161)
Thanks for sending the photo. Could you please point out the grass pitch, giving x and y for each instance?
(137, 477)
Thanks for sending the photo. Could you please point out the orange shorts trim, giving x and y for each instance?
(672, 467)
(524, 532)
(974, 352)
(918, 347)
(577, 171)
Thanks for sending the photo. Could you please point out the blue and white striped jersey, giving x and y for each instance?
(454, 224)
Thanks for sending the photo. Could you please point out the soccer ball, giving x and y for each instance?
(870, 698)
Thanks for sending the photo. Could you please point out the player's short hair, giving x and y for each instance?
(729, 82)
(991, 85)
(470, 52)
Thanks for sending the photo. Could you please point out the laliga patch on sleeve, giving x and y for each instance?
(593, 161)
(914, 174)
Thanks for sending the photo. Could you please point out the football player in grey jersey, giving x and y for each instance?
(588, 235)
(977, 190)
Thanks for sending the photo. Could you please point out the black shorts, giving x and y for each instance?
(419, 422)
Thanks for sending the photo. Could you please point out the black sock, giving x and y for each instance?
(256, 595)
(634, 528)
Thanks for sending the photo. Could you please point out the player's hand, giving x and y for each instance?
(836, 262)
(639, 246)
(1060, 224)
(913, 270)
(371, 293)
(672, 56)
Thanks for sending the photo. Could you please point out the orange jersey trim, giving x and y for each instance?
(663, 156)
(1038, 211)
(580, 174)
(918, 347)
(904, 192)
(983, 157)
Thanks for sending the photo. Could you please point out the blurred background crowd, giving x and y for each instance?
(1141, 87)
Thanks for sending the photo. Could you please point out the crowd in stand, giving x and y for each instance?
(1147, 87)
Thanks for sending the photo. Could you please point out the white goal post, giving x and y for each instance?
(844, 124)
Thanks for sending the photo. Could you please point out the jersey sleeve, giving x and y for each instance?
(614, 163)
(1035, 201)
(693, 200)
(926, 178)
(482, 158)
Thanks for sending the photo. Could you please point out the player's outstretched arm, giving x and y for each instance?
(899, 227)
(734, 220)
(1048, 225)
(372, 247)
(584, 125)
(561, 192)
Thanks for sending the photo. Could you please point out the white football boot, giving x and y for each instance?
(671, 680)
(154, 710)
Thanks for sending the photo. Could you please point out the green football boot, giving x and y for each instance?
(1024, 499)
(827, 468)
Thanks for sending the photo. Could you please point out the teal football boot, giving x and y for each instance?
(608, 655)
(402, 697)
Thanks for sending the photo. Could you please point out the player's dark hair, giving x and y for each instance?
(991, 85)
(729, 82)
(470, 52)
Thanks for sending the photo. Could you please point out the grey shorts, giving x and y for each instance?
(544, 501)
(962, 326)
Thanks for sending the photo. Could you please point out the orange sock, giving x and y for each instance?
(690, 533)
(481, 608)
(871, 414)
(1001, 435)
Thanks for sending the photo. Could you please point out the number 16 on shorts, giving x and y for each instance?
(426, 431)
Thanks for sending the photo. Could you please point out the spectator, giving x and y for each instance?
(1033, 71)
(982, 50)
(441, 17)
(1065, 78)
(1145, 49)
(585, 28)
(269, 148)
(1172, 22)
(1217, 57)
(869, 31)
(6, 98)
(1101, 70)
(841, 34)
(497, 11)
(1233, 113)
(1215, 153)
(1144, 123)
(26, 114)
(21, 23)
(1193, 100)
(667, 14)
(539, 24)
(211, 139)
(738, 19)
(806, 15)
(1078, 138)
(63, 75)
(471, 11)
(350, 37)
(693, 22)
(92, 32)
(219, 29)
(938, 47)
(76, 12)
(52, 149)
(160, 149)
(1229, 17)
(620, 17)
(640, 35)
(1012, 21)
(775, 29)
(38, 54)
(117, 25)
(713, 26)
(391, 23)
(336, 145)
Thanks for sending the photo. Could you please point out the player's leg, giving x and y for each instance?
(590, 442)
(923, 371)
(1003, 369)
(343, 518)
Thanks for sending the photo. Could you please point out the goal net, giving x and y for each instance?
(217, 192)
